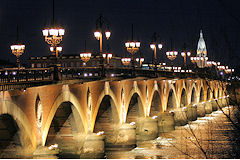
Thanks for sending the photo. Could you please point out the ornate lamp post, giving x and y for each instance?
(99, 29)
(132, 47)
(86, 56)
(171, 54)
(98, 35)
(18, 50)
(53, 36)
(154, 45)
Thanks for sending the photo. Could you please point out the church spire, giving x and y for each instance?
(201, 51)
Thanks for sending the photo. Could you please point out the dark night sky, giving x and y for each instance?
(180, 20)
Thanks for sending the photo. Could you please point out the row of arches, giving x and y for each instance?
(68, 124)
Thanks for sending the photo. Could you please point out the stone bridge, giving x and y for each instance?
(89, 117)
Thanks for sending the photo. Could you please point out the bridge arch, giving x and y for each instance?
(66, 98)
(201, 95)
(27, 137)
(213, 92)
(155, 103)
(183, 100)
(208, 93)
(193, 95)
(135, 108)
(172, 100)
(107, 118)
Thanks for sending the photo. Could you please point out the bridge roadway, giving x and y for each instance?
(86, 117)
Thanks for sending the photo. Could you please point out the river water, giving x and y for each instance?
(211, 136)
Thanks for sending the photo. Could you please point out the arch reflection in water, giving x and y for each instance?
(10, 138)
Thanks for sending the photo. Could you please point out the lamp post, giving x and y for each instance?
(98, 35)
(18, 50)
(154, 45)
(126, 61)
(86, 56)
(171, 55)
(132, 47)
(99, 29)
(53, 36)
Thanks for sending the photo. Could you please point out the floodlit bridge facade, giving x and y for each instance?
(91, 116)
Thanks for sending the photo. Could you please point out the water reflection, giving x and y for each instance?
(210, 131)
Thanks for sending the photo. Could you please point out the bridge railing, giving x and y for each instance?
(13, 78)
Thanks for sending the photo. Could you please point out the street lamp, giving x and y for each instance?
(171, 55)
(18, 50)
(154, 45)
(184, 55)
(126, 61)
(107, 56)
(99, 29)
(53, 36)
(132, 47)
(86, 56)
